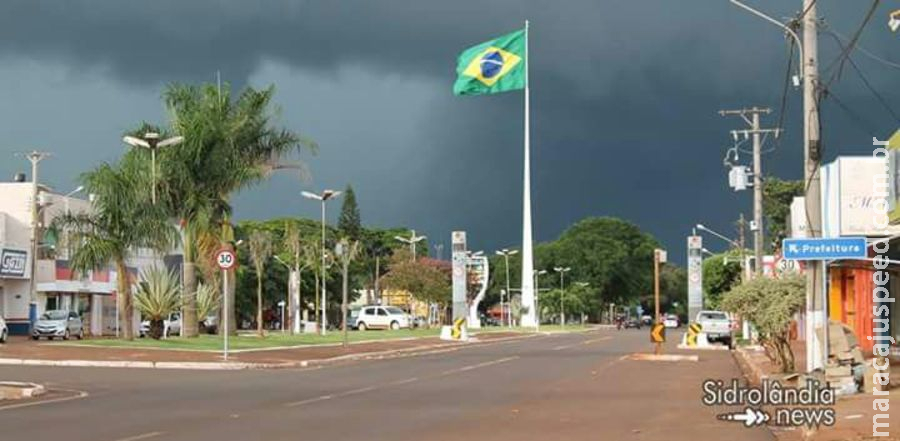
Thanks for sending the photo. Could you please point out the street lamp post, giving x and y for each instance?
(324, 197)
(733, 243)
(152, 142)
(562, 293)
(412, 240)
(505, 253)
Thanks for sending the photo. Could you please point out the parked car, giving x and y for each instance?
(632, 323)
(210, 324)
(419, 322)
(4, 331)
(671, 321)
(646, 320)
(171, 326)
(716, 325)
(382, 317)
(58, 323)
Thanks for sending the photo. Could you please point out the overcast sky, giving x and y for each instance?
(624, 101)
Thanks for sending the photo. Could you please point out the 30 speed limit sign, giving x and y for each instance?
(225, 259)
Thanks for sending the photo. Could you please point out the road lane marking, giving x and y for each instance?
(309, 401)
(141, 436)
(81, 394)
(478, 366)
(402, 382)
(586, 342)
(361, 390)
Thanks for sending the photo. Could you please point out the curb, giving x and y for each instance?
(751, 371)
(232, 366)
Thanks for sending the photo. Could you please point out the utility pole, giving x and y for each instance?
(751, 117)
(658, 255)
(815, 314)
(35, 158)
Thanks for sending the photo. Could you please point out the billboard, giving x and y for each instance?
(13, 263)
(848, 196)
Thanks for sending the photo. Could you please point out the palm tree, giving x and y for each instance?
(260, 244)
(208, 300)
(158, 295)
(229, 145)
(122, 221)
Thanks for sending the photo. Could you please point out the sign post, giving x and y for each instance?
(226, 260)
(659, 256)
(695, 276)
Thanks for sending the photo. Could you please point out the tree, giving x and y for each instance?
(424, 282)
(260, 250)
(345, 251)
(228, 145)
(770, 304)
(208, 302)
(720, 273)
(158, 295)
(777, 197)
(123, 220)
(349, 223)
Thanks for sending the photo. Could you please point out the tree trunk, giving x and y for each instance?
(377, 276)
(157, 328)
(189, 324)
(259, 305)
(126, 311)
(344, 306)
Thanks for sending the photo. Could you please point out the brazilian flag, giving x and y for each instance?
(493, 66)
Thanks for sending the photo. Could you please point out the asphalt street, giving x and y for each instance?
(560, 387)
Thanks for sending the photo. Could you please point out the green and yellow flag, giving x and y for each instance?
(493, 66)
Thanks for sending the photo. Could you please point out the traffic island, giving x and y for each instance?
(17, 390)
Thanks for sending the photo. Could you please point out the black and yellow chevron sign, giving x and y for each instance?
(658, 333)
(693, 331)
(456, 332)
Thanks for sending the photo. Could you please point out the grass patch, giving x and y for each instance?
(272, 340)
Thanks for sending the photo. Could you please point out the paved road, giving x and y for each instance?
(560, 387)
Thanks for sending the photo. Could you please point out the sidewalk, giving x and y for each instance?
(25, 352)
(853, 413)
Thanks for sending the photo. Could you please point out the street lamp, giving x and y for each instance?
(152, 142)
(701, 227)
(76, 190)
(324, 197)
(562, 293)
(708, 252)
(412, 240)
(505, 253)
(537, 298)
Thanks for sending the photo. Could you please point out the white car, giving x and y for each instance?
(4, 331)
(382, 317)
(671, 321)
(171, 326)
(716, 325)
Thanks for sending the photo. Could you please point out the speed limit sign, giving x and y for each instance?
(225, 259)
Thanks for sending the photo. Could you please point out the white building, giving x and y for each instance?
(56, 285)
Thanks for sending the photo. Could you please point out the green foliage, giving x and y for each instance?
(777, 197)
(158, 295)
(425, 282)
(208, 300)
(260, 245)
(770, 304)
(350, 223)
(574, 301)
(122, 221)
(720, 273)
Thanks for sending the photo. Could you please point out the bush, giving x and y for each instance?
(158, 295)
(770, 305)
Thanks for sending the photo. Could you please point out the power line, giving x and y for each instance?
(842, 57)
(884, 103)
(862, 125)
(840, 37)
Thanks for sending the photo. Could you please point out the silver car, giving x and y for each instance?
(58, 323)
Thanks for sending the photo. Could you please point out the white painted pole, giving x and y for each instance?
(225, 330)
(528, 319)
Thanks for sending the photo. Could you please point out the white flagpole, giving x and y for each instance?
(528, 303)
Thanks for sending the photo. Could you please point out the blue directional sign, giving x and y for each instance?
(821, 248)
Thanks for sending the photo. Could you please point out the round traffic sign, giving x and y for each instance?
(225, 259)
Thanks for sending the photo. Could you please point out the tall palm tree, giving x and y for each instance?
(122, 221)
(260, 244)
(229, 145)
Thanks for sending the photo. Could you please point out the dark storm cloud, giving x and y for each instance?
(624, 93)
